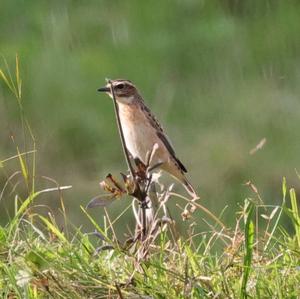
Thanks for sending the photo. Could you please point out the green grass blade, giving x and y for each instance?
(4, 78)
(54, 229)
(97, 227)
(249, 242)
(8, 79)
(23, 166)
(295, 212)
(284, 188)
(19, 82)
(13, 223)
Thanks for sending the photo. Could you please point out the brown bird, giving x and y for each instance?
(142, 131)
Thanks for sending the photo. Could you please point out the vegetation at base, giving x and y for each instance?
(40, 258)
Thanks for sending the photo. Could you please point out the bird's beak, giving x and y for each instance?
(104, 89)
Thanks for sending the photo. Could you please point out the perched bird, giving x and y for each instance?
(142, 131)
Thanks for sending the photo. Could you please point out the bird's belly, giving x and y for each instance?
(139, 134)
(139, 140)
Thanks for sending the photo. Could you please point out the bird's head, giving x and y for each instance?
(124, 90)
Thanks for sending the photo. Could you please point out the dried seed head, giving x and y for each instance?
(185, 215)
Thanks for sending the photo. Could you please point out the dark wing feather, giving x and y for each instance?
(169, 147)
(154, 122)
(161, 135)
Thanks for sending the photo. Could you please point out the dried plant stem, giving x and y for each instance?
(138, 193)
(208, 212)
(125, 150)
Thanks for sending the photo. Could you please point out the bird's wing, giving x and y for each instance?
(162, 136)
(169, 147)
(152, 119)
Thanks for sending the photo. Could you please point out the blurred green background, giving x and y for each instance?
(219, 75)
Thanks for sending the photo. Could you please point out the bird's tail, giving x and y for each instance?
(180, 176)
(189, 188)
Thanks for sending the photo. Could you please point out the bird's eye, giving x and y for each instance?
(120, 86)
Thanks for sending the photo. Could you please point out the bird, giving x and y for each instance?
(142, 131)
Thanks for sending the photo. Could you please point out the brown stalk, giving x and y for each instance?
(137, 193)
(125, 150)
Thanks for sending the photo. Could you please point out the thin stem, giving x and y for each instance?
(208, 212)
(126, 153)
(138, 193)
